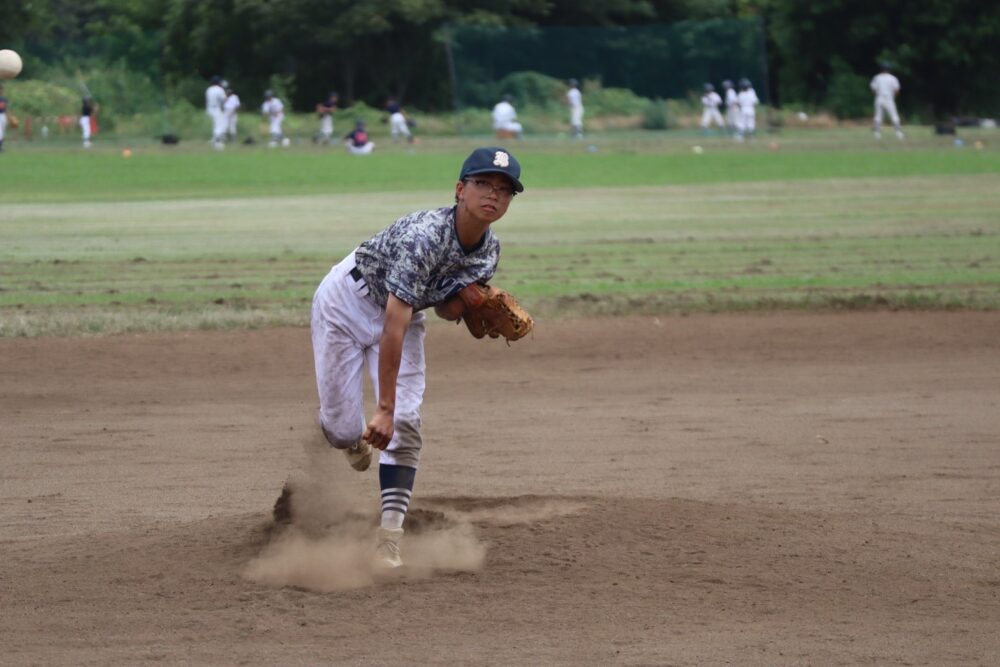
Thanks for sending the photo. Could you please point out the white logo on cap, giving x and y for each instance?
(501, 159)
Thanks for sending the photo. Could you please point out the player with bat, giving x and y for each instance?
(369, 309)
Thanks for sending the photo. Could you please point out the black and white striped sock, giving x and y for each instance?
(397, 489)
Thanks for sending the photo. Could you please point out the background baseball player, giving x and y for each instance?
(325, 111)
(3, 117)
(273, 110)
(215, 100)
(885, 86)
(88, 111)
(747, 99)
(231, 109)
(733, 122)
(369, 310)
(505, 119)
(710, 102)
(574, 98)
(398, 125)
(357, 140)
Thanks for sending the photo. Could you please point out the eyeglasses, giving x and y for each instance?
(502, 191)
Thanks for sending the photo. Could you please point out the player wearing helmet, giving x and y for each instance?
(710, 102)
(748, 101)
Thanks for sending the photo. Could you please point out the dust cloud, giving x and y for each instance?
(324, 538)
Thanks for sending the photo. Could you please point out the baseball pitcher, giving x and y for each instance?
(370, 310)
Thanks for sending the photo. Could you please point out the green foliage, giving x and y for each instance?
(600, 101)
(663, 61)
(848, 95)
(530, 89)
(655, 116)
(942, 52)
(39, 98)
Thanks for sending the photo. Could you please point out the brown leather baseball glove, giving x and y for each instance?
(492, 311)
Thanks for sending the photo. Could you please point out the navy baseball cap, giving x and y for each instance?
(493, 159)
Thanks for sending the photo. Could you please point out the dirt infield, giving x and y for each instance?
(773, 489)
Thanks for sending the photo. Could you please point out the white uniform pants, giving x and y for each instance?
(346, 328)
(734, 119)
(326, 126)
(398, 126)
(709, 116)
(231, 120)
(275, 126)
(361, 150)
(218, 124)
(85, 128)
(576, 117)
(3, 124)
(748, 121)
(509, 126)
(885, 104)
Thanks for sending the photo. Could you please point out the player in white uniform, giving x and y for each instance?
(398, 124)
(3, 117)
(325, 111)
(710, 103)
(215, 99)
(230, 109)
(748, 102)
(574, 98)
(274, 111)
(370, 310)
(885, 86)
(87, 112)
(505, 118)
(733, 121)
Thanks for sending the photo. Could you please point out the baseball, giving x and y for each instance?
(10, 64)
(697, 150)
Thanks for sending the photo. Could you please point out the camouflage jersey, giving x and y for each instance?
(419, 259)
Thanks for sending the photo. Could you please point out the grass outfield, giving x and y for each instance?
(194, 239)
(69, 174)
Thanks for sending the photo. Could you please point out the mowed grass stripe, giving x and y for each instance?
(907, 241)
(159, 173)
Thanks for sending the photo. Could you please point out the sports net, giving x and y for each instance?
(663, 61)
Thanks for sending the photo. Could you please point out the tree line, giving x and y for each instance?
(819, 53)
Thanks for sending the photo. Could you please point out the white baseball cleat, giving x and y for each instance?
(360, 455)
(387, 558)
